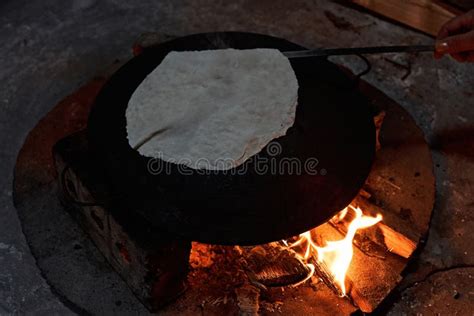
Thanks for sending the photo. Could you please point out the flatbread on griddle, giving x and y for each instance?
(212, 109)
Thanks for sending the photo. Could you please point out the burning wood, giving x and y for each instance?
(335, 255)
(332, 260)
(362, 240)
(396, 242)
(323, 272)
(264, 269)
(354, 295)
(273, 265)
(381, 235)
(378, 240)
(294, 261)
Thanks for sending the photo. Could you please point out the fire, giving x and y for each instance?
(335, 256)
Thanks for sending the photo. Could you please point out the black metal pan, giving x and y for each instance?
(333, 126)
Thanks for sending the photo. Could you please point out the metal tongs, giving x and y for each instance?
(324, 52)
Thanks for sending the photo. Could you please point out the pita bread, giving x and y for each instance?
(213, 109)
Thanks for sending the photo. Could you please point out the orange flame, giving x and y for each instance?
(335, 255)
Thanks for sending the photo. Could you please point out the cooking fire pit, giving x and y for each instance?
(256, 263)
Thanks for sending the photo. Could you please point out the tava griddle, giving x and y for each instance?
(333, 126)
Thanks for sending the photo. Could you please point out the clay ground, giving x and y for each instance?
(50, 48)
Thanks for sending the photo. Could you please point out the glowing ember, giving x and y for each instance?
(336, 256)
